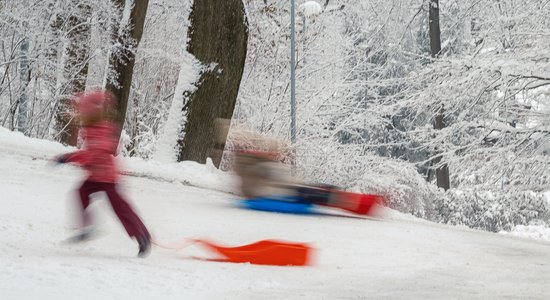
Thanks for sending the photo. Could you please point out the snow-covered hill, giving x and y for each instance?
(388, 257)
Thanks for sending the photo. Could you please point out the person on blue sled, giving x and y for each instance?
(263, 165)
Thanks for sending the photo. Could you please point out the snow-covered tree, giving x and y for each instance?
(218, 39)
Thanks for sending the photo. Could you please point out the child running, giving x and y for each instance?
(97, 158)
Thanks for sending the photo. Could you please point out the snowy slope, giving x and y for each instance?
(389, 257)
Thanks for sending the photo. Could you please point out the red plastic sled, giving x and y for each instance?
(361, 204)
(266, 252)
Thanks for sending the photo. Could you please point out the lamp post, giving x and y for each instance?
(309, 9)
(292, 72)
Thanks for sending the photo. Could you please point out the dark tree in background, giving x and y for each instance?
(442, 172)
(25, 77)
(122, 59)
(78, 52)
(218, 37)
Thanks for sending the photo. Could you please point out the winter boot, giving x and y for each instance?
(85, 234)
(144, 243)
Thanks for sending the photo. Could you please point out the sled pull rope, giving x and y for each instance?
(184, 243)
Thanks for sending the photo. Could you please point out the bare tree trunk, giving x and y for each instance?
(24, 77)
(435, 32)
(122, 58)
(218, 38)
(442, 173)
(76, 72)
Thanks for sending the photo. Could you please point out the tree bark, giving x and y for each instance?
(442, 173)
(76, 72)
(218, 37)
(435, 31)
(122, 58)
(24, 76)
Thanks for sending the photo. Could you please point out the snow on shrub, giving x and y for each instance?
(344, 166)
(537, 232)
(492, 210)
(405, 189)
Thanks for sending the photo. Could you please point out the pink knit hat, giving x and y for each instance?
(91, 103)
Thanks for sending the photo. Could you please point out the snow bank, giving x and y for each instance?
(187, 172)
(16, 142)
(538, 232)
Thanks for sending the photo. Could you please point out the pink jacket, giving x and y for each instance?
(97, 156)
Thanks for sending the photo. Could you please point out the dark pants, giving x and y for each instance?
(315, 194)
(129, 219)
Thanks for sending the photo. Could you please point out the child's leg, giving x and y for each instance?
(129, 219)
(87, 188)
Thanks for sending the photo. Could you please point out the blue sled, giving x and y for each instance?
(289, 205)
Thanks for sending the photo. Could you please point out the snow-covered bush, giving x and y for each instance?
(492, 210)
(405, 189)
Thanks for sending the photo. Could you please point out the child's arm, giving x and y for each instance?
(81, 157)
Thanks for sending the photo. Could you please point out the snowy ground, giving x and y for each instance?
(390, 257)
